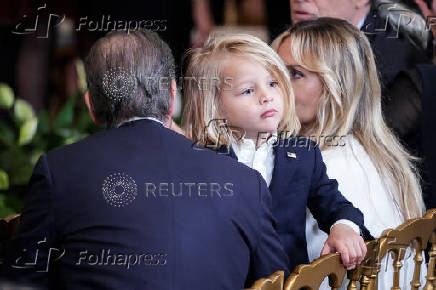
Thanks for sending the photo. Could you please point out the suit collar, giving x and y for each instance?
(138, 120)
(284, 166)
(227, 150)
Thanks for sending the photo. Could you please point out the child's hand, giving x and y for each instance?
(344, 240)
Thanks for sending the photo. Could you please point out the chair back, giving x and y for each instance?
(311, 276)
(273, 282)
(413, 233)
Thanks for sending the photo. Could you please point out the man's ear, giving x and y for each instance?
(173, 93)
(90, 110)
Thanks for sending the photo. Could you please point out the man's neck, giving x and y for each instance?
(359, 16)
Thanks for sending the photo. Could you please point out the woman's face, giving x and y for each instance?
(307, 86)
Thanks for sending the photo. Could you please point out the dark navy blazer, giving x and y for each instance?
(138, 208)
(299, 181)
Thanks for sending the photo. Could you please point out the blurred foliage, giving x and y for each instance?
(24, 137)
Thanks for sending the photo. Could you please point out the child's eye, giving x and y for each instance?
(247, 91)
(296, 74)
(273, 84)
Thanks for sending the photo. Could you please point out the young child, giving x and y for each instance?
(337, 93)
(242, 80)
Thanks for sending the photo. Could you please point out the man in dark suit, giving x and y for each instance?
(136, 206)
(396, 33)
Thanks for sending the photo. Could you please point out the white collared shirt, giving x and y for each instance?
(262, 160)
(139, 118)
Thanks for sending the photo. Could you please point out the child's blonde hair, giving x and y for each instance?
(342, 57)
(202, 104)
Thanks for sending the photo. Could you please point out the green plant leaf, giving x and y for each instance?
(27, 131)
(65, 116)
(81, 75)
(23, 110)
(6, 96)
(35, 156)
(5, 210)
(7, 135)
(4, 180)
(21, 175)
(16, 162)
(14, 202)
(43, 123)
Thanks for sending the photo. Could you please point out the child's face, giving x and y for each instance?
(251, 98)
(307, 86)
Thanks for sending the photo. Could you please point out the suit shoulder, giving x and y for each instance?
(210, 157)
(65, 150)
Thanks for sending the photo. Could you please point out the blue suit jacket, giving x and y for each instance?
(302, 182)
(138, 208)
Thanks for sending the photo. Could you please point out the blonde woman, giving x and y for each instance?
(242, 80)
(338, 95)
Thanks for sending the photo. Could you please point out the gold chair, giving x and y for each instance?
(311, 276)
(8, 228)
(273, 282)
(415, 232)
(431, 279)
(366, 273)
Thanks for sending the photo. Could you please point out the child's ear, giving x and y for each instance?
(90, 110)
(173, 93)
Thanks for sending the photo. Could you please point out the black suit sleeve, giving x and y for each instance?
(27, 256)
(327, 204)
(268, 255)
(402, 107)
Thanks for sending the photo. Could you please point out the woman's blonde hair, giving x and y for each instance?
(202, 103)
(351, 101)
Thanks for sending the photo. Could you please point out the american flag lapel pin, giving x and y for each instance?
(291, 155)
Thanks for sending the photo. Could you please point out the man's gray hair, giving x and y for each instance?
(129, 75)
